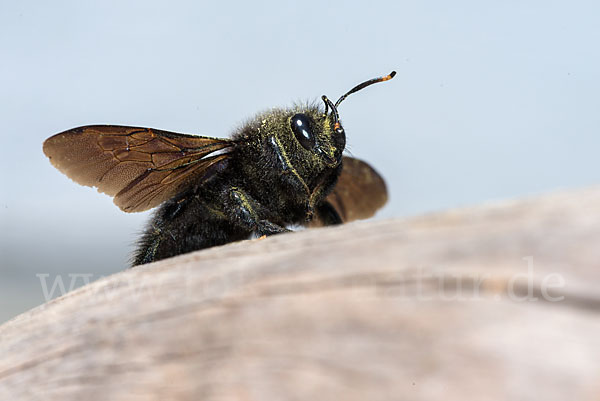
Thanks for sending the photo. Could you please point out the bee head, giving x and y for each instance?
(314, 135)
(322, 133)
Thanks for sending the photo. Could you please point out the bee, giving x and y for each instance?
(285, 167)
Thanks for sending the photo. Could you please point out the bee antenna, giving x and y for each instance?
(364, 85)
(326, 105)
(329, 103)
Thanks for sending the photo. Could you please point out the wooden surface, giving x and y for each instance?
(428, 308)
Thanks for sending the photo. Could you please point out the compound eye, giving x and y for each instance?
(301, 127)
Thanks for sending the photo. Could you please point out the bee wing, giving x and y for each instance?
(140, 167)
(359, 192)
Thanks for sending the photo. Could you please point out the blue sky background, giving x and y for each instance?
(493, 100)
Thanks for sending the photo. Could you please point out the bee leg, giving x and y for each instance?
(148, 246)
(248, 213)
(287, 169)
(327, 214)
(326, 184)
(265, 227)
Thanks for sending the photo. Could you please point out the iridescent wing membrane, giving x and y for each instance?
(140, 167)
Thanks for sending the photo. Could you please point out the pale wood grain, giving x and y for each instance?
(357, 312)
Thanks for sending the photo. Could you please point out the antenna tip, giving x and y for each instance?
(389, 76)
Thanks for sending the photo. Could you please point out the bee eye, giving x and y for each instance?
(301, 127)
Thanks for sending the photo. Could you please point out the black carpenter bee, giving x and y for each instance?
(284, 167)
